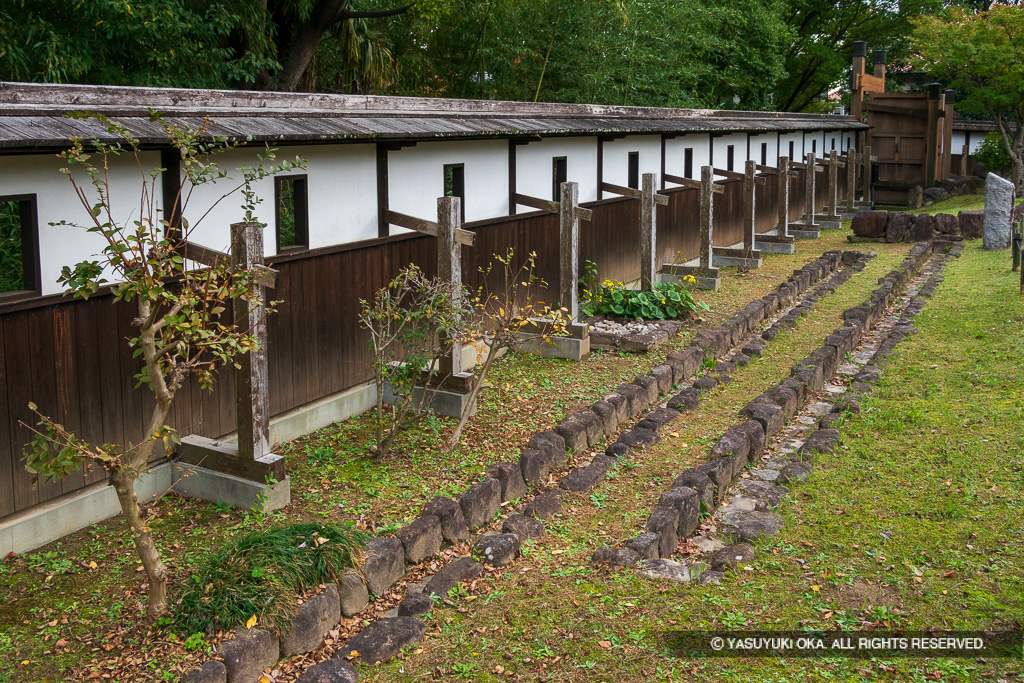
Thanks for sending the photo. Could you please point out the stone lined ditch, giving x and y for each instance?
(744, 502)
(449, 521)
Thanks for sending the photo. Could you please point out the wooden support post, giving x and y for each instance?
(865, 190)
(750, 182)
(649, 202)
(809, 181)
(708, 189)
(931, 164)
(252, 401)
(833, 184)
(569, 216)
(965, 152)
(784, 175)
(449, 267)
(851, 180)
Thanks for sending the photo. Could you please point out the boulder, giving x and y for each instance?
(731, 557)
(451, 575)
(658, 419)
(313, 619)
(421, 538)
(685, 400)
(869, 223)
(705, 384)
(711, 577)
(331, 671)
(639, 438)
(248, 653)
(582, 479)
(922, 230)
(212, 671)
(686, 502)
(615, 557)
(646, 545)
(545, 505)
(621, 405)
(795, 472)
(383, 639)
(752, 526)
(618, 450)
(665, 378)
(383, 564)
(946, 224)
(650, 385)
(769, 415)
(353, 594)
(665, 523)
(699, 482)
(480, 503)
(449, 515)
(523, 526)
(768, 493)
(783, 397)
(415, 604)
(551, 445)
(898, 226)
(498, 549)
(636, 397)
(535, 466)
(609, 416)
(755, 438)
(671, 571)
(510, 479)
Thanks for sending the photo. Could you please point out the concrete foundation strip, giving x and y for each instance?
(446, 520)
(677, 515)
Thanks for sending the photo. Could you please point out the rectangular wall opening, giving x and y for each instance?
(291, 213)
(814, 146)
(19, 246)
(633, 179)
(559, 174)
(730, 157)
(455, 185)
(791, 150)
(688, 162)
(764, 153)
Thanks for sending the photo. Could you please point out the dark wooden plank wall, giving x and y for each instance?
(71, 357)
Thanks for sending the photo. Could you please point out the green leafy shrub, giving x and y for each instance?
(667, 300)
(992, 152)
(262, 573)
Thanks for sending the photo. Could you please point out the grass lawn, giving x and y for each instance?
(73, 608)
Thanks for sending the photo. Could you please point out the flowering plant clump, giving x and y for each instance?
(613, 297)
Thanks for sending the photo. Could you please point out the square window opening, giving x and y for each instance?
(455, 185)
(633, 179)
(559, 175)
(19, 246)
(291, 212)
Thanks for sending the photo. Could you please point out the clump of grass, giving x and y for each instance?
(262, 573)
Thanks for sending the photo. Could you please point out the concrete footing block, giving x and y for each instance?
(804, 234)
(193, 481)
(571, 348)
(776, 247)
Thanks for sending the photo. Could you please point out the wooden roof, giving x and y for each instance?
(32, 117)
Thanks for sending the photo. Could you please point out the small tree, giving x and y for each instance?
(980, 55)
(181, 329)
(409, 322)
(503, 313)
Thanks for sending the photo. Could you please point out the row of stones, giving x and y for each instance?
(444, 520)
(900, 226)
(678, 511)
(762, 493)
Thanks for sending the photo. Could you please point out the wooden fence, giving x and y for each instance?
(70, 356)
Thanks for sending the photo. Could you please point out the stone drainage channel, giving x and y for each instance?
(748, 488)
(251, 652)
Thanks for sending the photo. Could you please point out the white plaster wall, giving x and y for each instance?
(721, 158)
(798, 145)
(675, 154)
(772, 140)
(416, 178)
(534, 166)
(616, 157)
(56, 201)
(341, 188)
(959, 137)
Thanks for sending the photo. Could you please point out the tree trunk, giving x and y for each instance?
(123, 481)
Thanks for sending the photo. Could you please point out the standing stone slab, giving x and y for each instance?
(545, 505)
(383, 639)
(313, 619)
(480, 503)
(510, 477)
(248, 654)
(701, 484)
(998, 212)
(384, 564)
(665, 523)
(615, 557)
(421, 538)
(646, 546)
(353, 594)
(552, 445)
(608, 414)
(449, 514)
(686, 501)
